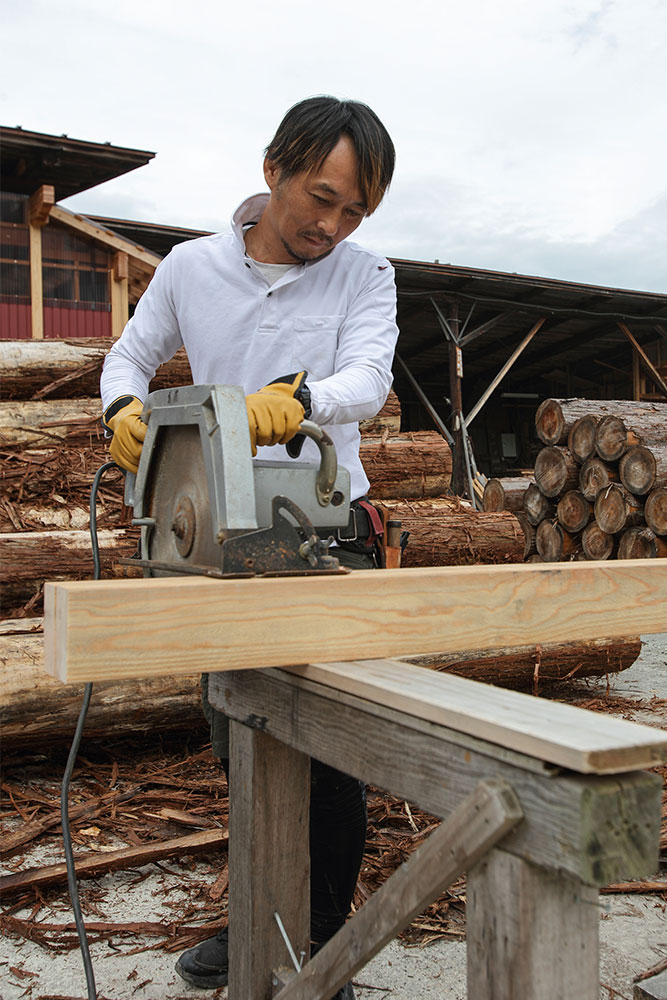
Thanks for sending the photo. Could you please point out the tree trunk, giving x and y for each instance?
(554, 544)
(527, 666)
(37, 709)
(505, 494)
(641, 543)
(617, 432)
(64, 369)
(596, 543)
(581, 439)
(407, 465)
(536, 506)
(556, 471)
(387, 421)
(642, 469)
(60, 476)
(616, 509)
(556, 417)
(40, 424)
(447, 532)
(595, 475)
(655, 510)
(574, 511)
(31, 557)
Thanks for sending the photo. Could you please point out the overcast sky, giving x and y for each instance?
(531, 134)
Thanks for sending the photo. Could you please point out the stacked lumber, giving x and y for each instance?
(51, 445)
(600, 487)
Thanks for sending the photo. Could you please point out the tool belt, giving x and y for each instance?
(363, 531)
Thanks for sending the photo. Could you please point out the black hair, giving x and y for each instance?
(310, 130)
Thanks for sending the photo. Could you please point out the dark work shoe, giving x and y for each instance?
(345, 993)
(207, 964)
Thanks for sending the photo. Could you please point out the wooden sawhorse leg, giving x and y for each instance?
(531, 934)
(269, 861)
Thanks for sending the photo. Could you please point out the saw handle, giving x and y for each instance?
(326, 476)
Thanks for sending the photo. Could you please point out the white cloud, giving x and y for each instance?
(526, 132)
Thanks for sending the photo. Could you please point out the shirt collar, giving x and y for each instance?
(250, 210)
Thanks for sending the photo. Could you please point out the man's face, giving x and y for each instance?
(310, 213)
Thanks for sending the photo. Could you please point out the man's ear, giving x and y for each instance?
(271, 173)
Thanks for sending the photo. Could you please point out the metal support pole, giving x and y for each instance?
(432, 412)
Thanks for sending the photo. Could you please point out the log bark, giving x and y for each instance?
(597, 544)
(596, 475)
(554, 544)
(641, 543)
(40, 424)
(555, 418)
(446, 532)
(581, 438)
(655, 510)
(31, 557)
(642, 469)
(536, 506)
(60, 476)
(617, 432)
(616, 509)
(39, 517)
(387, 421)
(556, 471)
(63, 369)
(574, 511)
(529, 535)
(411, 465)
(34, 707)
(527, 666)
(505, 494)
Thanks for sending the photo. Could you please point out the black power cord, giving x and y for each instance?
(71, 760)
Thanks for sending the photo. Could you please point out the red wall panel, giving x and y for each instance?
(61, 323)
(15, 323)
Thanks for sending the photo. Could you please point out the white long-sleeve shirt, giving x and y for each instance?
(335, 318)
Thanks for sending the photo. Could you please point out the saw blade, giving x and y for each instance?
(179, 501)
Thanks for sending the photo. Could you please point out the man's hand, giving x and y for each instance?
(123, 418)
(275, 412)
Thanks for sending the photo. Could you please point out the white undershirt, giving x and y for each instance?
(272, 272)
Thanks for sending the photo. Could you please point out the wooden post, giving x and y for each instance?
(39, 208)
(119, 293)
(269, 865)
(530, 933)
(491, 810)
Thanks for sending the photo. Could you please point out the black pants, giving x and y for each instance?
(337, 820)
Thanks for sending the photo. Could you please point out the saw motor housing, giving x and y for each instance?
(204, 505)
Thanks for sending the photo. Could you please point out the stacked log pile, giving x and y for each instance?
(51, 445)
(600, 487)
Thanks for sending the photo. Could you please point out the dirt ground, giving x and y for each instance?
(130, 965)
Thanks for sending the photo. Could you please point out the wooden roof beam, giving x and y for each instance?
(108, 239)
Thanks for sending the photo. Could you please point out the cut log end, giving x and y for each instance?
(637, 470)
(574, 511)
(555, 471)
(596, 543)
(596, 475)
(581, 439)
(641, 543)
(656, 510)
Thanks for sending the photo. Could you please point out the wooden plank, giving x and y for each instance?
(269, 862)
(83, 225)
(530, 933)
(128, 857)
(36, 285)
(108, 629)
(490, 811)
(560, 734)
(599, 829)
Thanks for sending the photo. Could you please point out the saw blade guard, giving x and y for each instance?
(197, 484)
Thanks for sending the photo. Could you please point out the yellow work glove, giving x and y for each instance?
(123, 418)
(274, 412)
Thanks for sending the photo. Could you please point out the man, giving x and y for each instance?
(283, 292)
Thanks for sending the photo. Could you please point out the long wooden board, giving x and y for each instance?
(110, 629)
(559, 734)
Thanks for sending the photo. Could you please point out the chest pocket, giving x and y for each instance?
(315, 343)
